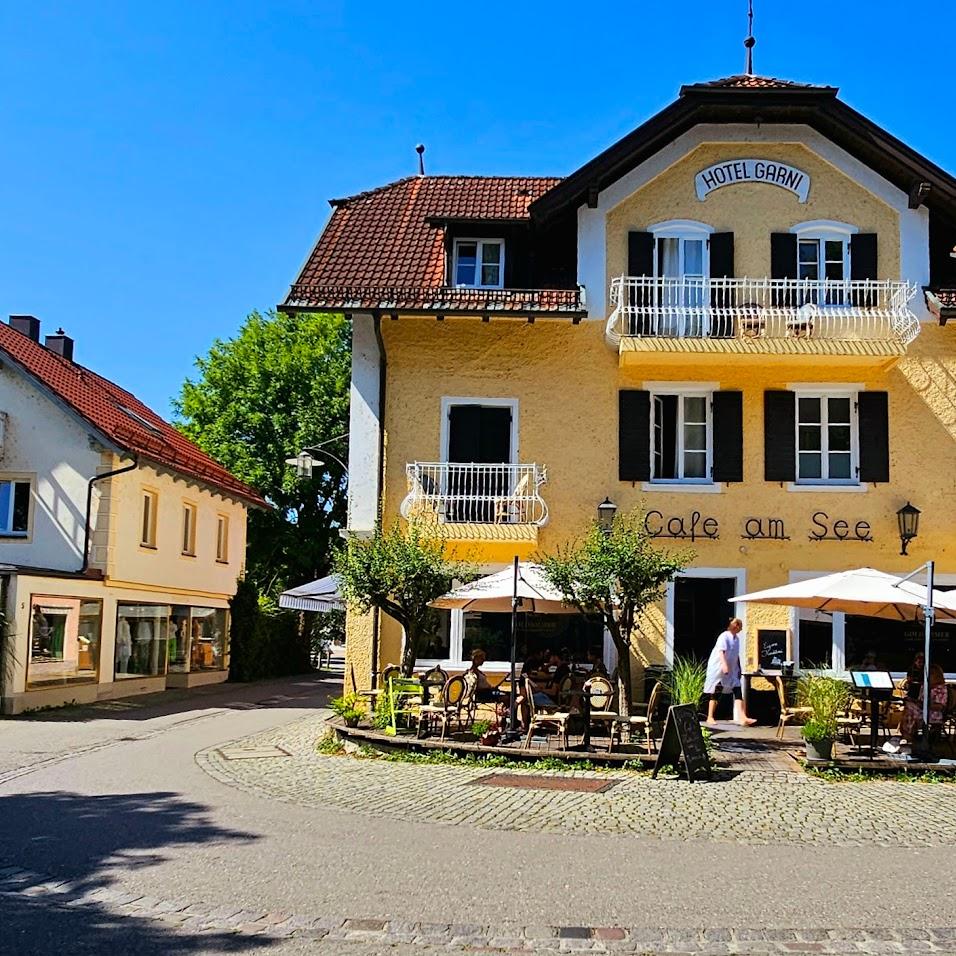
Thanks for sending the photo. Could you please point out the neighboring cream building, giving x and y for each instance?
(120, 541)
(733, 318)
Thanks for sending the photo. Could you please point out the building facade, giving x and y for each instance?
(733, 319)
(120, 541)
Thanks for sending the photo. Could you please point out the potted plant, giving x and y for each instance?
(825, 698)
(350, 707)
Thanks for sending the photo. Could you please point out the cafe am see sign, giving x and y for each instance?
(732, 172)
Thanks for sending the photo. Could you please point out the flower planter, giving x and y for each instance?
(819, 750)
(351, 721)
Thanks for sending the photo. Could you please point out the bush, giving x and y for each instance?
(827, 698)
(263, 644)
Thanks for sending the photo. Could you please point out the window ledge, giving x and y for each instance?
(702, 487)
(828, 488)
(148, 547)
(14, 535)
(187, 554)
(222, 561)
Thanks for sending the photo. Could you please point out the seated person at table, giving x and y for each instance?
(912, 719)
(914, 678)
(533, 662)
(484, 692)
(547, 696)
(598, 667)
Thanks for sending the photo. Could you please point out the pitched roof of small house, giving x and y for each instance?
(119, 416)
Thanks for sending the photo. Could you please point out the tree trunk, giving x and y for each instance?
(409, 651)
(624, 677)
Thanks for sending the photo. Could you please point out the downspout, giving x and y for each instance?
(380, 478)
(89, 507)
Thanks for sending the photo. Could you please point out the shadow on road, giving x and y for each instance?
(89, 843)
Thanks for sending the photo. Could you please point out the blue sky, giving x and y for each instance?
(165, 168)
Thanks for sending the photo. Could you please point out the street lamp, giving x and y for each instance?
(908, 518)
(303, 464)
(606, 511)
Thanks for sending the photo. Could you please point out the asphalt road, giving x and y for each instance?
(115, 799)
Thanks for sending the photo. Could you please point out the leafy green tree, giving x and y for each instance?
(399, 570)
(616, 574)
(280, 385)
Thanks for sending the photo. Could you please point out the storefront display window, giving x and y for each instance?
(876, 644)
(207, 639)
(141, 640)
(179, 632)
(64, 643)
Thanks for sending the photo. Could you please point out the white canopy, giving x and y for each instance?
(321, 595)
(494, 593)
(864, 591)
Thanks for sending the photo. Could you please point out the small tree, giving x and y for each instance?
(617, 574)
(399, 570)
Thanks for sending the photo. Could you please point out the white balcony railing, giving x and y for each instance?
(476, 493)
(835, 310)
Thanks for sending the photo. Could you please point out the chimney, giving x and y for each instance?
(27, 325)
(60, 343)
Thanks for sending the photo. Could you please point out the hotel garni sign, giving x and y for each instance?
(736, 171)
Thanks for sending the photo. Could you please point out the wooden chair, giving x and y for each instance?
(435, 680)
(787, 712)
(405, 698)
(373, 694)
(600, 695)
(445, 710)
(508, 509)
(468, 704)
(550, 721)
(646, 721)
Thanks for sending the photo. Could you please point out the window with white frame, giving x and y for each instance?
(681, 267)
(823, 258)
(479, 263)
(681, 436)
(189, 529)
(827, 445)
(147, 534)
(14, 508)
(222, 538)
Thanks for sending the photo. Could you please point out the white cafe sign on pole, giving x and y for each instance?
(735, 171)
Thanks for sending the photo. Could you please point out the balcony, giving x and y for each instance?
(861, 319)
(478, 501)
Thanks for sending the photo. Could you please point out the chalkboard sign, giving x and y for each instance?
(682, 736)
(771, 649)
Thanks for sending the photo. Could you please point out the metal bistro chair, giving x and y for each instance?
(600, 697)
(547, 720)
(434, 680)
(374, 694)
(405, 698)
(787, 712)
(447, 709)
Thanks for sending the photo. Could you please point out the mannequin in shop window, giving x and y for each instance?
(141, 644)
(124, 646)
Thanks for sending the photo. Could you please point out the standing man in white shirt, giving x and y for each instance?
(724, 674)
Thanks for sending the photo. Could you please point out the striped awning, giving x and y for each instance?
(322, 595)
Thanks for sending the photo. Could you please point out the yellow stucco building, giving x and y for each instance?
(734, 319)
(121, 542)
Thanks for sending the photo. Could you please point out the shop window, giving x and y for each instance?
(147, 537)
(479, 263)
(437, 646)
(681, 438)
(575, 638)
(222, 539)
(179, 639)
(826, 439)
(64, 643)
(815, 641)
(141, 640)
(208, 639)
(14, 508)
(189, 529)
(877, 644)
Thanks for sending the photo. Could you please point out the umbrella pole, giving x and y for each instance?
(929, 615)
(513, 704)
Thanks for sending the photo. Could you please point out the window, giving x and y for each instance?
(823, 256)
(64, 641)
(222, 539)
(14, 508)
(680, 266)
(826, 438)
(142, 632)
(479, 263)
(189, 528)
(148, 529)
(681, 437)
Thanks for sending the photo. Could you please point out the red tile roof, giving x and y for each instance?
(388, 244)
(119, 415)
(750, 81)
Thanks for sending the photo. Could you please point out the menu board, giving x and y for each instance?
(682, 737)
(881, 680)
(771, 649)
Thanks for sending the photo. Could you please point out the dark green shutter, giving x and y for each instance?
(779, 436)
(728, 436)
(783, 255)
(721, 246)
(863, 252)
(640, 254)
(634, 435)
(874, 436)
(722, 255)
(464, 433)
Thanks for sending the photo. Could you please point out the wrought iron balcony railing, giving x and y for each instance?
(476, 493)
(834, 310)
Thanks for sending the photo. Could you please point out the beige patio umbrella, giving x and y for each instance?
(522, 587)
(863, 591)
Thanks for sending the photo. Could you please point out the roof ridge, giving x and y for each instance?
(344, 200)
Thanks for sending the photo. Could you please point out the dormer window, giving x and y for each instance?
(479, 263)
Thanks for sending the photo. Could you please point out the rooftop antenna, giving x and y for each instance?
(420, 149)
(750, 41)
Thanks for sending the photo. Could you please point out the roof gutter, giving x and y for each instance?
(89, 507)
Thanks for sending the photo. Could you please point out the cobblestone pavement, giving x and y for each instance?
(751, 807)
(324, 934)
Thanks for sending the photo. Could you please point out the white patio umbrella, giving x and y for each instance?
(871, 593)
(520, 588)
(322, 595)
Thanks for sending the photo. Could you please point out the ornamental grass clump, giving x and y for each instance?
(686, 679)
(826, 697)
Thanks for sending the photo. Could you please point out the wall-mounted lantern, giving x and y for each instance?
(606, 511)
(908, 518)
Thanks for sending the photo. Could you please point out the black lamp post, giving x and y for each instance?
(908, 518)
(606, 511)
